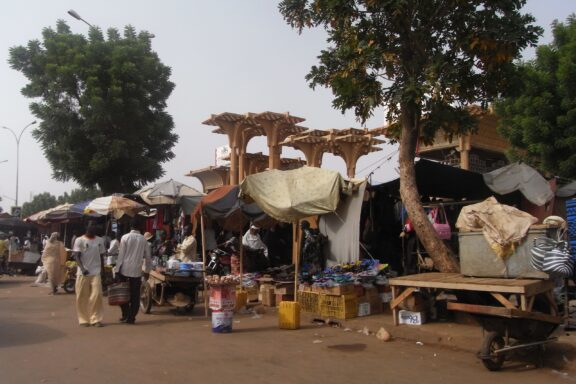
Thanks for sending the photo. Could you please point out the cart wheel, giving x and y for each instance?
(70, 286)
(145, 298)
(492, 342)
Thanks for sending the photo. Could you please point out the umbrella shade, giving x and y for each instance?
(224, 205)
(61, 212)
(293, 195)
(168, 192)
(115, 205)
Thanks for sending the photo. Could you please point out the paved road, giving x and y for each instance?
(40, 342)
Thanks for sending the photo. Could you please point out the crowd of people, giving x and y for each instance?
(134, 254)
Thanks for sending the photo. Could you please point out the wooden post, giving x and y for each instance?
(204, 261)
(296, 254)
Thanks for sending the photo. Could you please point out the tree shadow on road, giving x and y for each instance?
(16, 334)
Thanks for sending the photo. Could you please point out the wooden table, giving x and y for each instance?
(501, 289)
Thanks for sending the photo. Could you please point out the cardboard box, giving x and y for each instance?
(371, 292)
(283, 297)
(411, 318)
(339, 290)
(376, 306)
(359, 290)
(284, 288)
(269, 297)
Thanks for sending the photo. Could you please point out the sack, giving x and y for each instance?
(119, 293)
(552, 257)
(437, 217)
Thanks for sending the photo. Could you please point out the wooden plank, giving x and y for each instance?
(504, 301)
(504, 312)
(407, 292)
(455, 281)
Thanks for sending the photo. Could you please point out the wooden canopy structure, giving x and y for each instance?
(350, 144)
(241, 128)
(281, 129)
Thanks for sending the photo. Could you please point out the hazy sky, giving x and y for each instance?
(226, 56)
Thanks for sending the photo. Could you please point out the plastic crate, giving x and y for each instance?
(308, 301)
(338, 307)
(289, 315)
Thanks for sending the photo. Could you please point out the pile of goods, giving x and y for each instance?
(347, 290)
(214, 280)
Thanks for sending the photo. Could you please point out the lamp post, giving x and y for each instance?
(75, 15)
(18, 153)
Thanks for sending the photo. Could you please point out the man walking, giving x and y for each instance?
(134, 252)
(88, 251)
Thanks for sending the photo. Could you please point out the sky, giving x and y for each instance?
(226, 56)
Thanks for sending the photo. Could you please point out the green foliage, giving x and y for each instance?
(539, 120)
(78, 195)
(39, 203)
(102, 105)
(46, 200)
(424, 60)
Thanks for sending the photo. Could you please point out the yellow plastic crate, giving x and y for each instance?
(308, 301)
(289, 315)
(338, 307)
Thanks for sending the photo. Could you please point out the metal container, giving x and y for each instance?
(477, 259)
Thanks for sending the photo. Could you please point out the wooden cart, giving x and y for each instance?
(519, 309)
(159, 287)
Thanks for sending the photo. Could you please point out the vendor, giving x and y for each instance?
(187, 250)
(257, 257)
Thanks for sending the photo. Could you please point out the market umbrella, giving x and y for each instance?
(62, 212)
(293, 195)
(168, 192)
(116, 205)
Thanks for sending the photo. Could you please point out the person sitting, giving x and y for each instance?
(257, 251)
(187, 250)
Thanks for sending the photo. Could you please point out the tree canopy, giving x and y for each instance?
(424, 61)
(101, 102)
(539, 119)
(46, 200)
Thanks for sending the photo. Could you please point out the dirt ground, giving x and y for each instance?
(40, 342)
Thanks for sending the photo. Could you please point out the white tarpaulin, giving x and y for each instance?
(343, 229)
(292, 195)
(519, 176)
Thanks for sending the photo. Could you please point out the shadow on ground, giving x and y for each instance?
(15, 334)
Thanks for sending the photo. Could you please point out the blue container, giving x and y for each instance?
(571, 203)
(572, 230)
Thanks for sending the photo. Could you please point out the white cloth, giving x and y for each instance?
(114, 247)
(134, 252)
(254, 242)
(343, 229)
(519, 176)
(90, 254)
(89, 306)
(187, 250)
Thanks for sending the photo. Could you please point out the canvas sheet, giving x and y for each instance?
(292, 195)
(343, 229)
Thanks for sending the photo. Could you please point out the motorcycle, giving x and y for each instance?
(222, 259)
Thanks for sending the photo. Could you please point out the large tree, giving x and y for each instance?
(78, 195)
(101, 102)
(539, 119)
(424, 61)
(39, 202)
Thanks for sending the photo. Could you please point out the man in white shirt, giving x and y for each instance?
(133, 253)
(88, 251)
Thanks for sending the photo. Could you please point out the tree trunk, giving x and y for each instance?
(442, 256)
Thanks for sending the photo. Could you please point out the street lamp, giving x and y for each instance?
(18, 153)
(75, 15)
